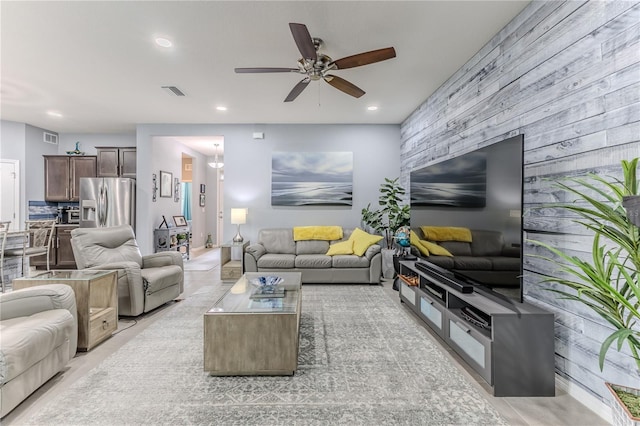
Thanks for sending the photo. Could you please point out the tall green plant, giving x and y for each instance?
(392, 215)
(608, 283)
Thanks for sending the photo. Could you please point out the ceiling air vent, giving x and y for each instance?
(173, 90)
(51, 138)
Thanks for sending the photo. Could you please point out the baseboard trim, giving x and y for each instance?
(587, 399)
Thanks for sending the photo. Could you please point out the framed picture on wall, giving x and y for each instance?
(180, 221)
(166, 184)
(201, 200)
(202, 188)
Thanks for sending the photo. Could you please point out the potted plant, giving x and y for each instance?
(388, 218)
(392, 215)
(608, 282)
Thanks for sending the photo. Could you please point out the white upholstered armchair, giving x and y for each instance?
(144, 282)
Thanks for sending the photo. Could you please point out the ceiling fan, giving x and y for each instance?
(317, 66)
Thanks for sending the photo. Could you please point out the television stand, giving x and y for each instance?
(511, 346)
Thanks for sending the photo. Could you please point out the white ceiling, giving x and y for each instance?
(96, 62)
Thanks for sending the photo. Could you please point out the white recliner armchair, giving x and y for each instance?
(144, 282)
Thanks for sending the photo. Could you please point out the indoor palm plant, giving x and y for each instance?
(392, 215)
(608, 282)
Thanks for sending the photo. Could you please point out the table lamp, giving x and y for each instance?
(238, 217)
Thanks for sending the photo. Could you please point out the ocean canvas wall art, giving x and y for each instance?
(312, 179)
(458, 182)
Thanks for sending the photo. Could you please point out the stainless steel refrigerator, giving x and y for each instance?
(107, 202)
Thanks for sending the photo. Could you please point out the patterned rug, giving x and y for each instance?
(362, 360)
(203, 260)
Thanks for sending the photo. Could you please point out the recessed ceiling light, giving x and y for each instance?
(221, 108)
(372, 108)
(163, 42)
(54, 113)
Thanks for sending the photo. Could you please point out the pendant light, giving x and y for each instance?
(215, 163)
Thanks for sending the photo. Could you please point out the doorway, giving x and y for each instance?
(10, 192)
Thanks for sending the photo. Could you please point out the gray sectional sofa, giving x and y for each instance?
(276, 251)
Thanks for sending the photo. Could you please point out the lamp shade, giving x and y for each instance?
(238, 216)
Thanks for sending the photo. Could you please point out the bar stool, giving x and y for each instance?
(36, 241)
(4, 229)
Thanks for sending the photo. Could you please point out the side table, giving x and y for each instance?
(96, 301)
(232, 260)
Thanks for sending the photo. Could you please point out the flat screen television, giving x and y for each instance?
(479, 190)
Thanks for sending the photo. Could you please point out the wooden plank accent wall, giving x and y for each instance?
(567, 76)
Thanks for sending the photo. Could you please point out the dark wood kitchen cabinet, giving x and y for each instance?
(61, 254)
(116, 161)
(62, 175)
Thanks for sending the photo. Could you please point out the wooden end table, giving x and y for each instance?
(96, 301)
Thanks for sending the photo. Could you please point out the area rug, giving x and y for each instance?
(362, 360)
(204, 261)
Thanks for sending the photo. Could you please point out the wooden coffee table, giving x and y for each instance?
(244, 336)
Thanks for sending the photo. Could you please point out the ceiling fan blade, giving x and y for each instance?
(303, 40)
(365, 58)
(297, 89)
(262, 70)
(344, 85)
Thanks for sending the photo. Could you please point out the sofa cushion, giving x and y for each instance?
(312, 247)
(457, 248)
(278, 240)
(501, 263)
(415, 241)
(312, 261)
(349, 261)
(446, 233)
(343, 247)
(362, 240)
(472, 263)
(442, 261)
(487, 243)
(326, 233)
(435, 249)
(28, 340)
(271, 260)
(159, 278)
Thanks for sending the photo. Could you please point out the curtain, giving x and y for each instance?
(186, 200)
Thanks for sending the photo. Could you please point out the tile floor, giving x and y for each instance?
(559, 410)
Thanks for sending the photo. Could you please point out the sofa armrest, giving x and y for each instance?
(372, 251)
(256, 250)
(31, 300)
(163, 258)
(509, 251)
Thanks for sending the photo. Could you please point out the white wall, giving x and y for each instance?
(248, 171)
(13, 147)
(89, 141)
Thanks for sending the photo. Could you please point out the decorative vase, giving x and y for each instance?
(621, 414)
(632, 205)
(209, 242)
(387, 263)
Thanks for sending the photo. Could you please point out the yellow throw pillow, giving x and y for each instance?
(446, 233)
(415, 241)
(324, 233)
(436, 249)
(362, 241)
(343, 247)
